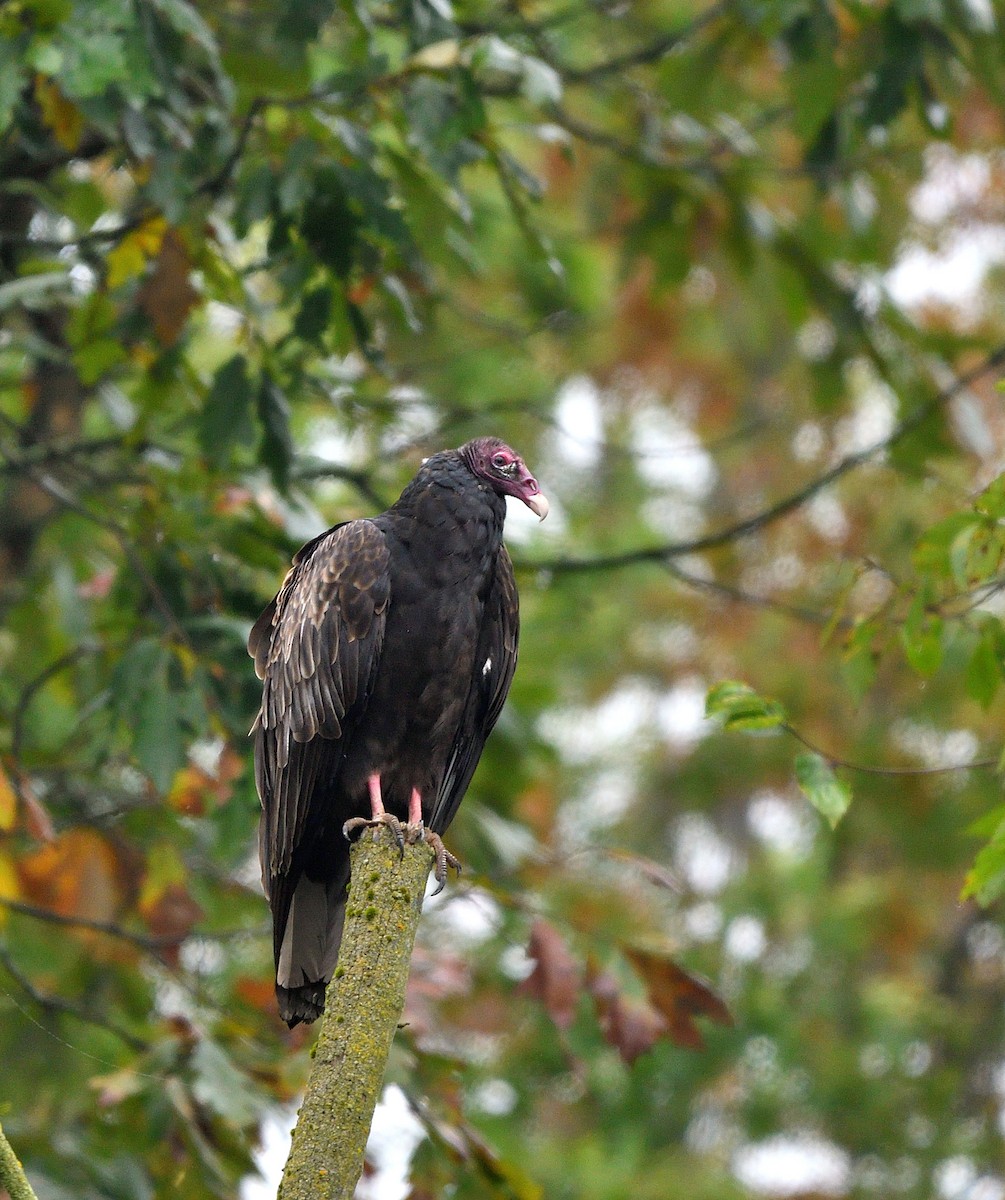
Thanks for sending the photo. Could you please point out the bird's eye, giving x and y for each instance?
(499, 460)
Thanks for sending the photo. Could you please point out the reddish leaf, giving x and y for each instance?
(259, 993)
(167, 296)
(678, 996)
(631, 1026)
(555, 979)
(172, 914)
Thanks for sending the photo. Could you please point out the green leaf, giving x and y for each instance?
(859, 663)
(226, 416)
(314, 315)
(921, 636)
(742, 708)
(276, 449)
(149, 707)
(985, 880)
(991, 502)
(829, 795)
(222, 1087)
(984, 671)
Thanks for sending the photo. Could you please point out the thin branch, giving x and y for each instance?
(978, 764)
(56, 1004)
(142, 940)
(650, 52)
(739, 595)
(790, 503)
(34, 685)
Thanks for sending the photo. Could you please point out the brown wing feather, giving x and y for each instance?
(316, 646)
(495, 662)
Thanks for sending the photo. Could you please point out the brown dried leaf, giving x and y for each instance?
(172, 914)
(678, 996)
(555, 979)
(631, 1026)
(168, 296)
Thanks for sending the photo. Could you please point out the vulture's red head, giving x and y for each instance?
(505, 472)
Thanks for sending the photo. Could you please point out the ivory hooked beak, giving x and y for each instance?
(538, 503)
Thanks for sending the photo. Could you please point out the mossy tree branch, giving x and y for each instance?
(362, 1010)
(12, 1176)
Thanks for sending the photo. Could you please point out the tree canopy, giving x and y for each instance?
(728, 276)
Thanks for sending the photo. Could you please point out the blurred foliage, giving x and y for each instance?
(706, 266)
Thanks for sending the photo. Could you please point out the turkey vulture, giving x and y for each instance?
(386, 658)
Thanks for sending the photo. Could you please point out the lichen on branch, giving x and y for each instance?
(363, 1006)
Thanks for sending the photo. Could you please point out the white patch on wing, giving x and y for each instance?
(487, 667)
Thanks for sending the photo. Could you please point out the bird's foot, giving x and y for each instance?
(417, 832)
(375, 823)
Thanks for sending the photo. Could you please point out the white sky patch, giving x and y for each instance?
(579, 431)
(825, 513)
(952, 275)
(394, 1135)
(701, 856)
(781, 825)
(584, 734)
(329, 441)
(601, 803)
(271, 1154)
(957, 1179)
(952, 181)
(223, 318)
(680, 714)
(470, 918)
(873, 415)
(524, 526)
(793, 1165)
(745, 939)
(703, 921)
(670, 454)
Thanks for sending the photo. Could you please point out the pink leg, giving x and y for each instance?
(379, 816)
(376, 800)
(415, 808)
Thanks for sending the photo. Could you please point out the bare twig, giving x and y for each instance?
(977, 764)
(790, 503)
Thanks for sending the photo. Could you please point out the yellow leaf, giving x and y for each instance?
(8, 803)
(165, 869)
(9, 889)
(63, 118)
(128, 259)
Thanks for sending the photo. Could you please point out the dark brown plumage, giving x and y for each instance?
(386, 658)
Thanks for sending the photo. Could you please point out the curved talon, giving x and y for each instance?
(444, 859)
(374, 823)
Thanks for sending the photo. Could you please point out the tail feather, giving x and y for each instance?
(308, 951)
